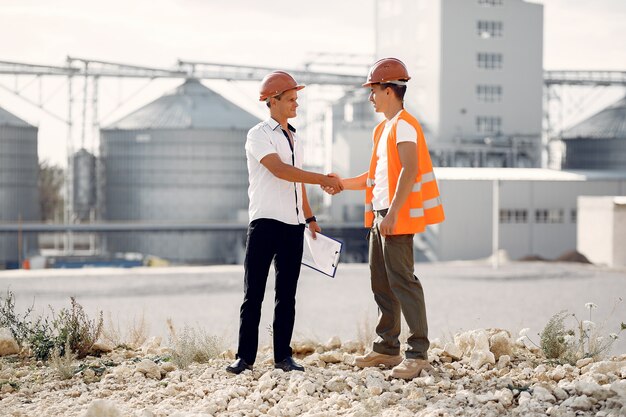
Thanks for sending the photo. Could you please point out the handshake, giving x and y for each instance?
(332, 184)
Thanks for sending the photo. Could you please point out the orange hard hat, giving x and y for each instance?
(387, 70)
(276, 83)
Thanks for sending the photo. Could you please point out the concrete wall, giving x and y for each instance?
(602, 229)
(467, 231)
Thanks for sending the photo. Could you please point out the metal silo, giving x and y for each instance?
(598, 142)
(179, 159)
(84, 169)
(19, 192)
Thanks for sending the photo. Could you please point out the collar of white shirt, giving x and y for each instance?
(273, 124)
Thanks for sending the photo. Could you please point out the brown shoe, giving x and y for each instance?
(377, 359)
(410, 368)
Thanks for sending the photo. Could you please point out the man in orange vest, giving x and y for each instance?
(401, 199)
(278, 211)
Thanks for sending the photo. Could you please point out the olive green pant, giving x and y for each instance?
(396, 290)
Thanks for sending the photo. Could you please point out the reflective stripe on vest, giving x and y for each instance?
(432, 203)
(369, 182)
(368, 207)
(417, 187)
(416, 212)
(428, 177)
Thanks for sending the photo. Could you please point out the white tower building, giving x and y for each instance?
(476, 68)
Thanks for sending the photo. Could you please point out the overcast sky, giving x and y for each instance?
(578, 34)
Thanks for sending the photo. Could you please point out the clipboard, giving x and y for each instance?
(321, 254)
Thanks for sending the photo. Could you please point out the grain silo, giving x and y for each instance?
(19, 192)
(179, 159)
(598, 142)
(84, 173)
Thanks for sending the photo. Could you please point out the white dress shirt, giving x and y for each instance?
(271, 197)
(404, 133)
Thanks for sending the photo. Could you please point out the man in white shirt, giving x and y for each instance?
(278, 211)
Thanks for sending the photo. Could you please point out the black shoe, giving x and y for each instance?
(288, 364)
(238, 366)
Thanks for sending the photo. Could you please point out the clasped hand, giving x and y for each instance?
(333, 185)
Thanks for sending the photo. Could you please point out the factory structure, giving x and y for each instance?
(19, 193)
(169, 179)
(177, 159)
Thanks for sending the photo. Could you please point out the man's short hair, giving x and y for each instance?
(278, 97)
(398, 90)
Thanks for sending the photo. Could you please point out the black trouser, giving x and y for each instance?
(270, 239)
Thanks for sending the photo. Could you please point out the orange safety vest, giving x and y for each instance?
(423, 206)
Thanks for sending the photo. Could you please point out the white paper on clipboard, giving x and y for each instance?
(321, 254)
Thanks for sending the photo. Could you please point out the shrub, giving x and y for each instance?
(71, 327)
(74, 329)
(569, 344)
(193, 345)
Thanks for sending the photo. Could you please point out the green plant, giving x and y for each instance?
(70, 327)
(76, 330)
(193, 345)
(569, 344)
(19, 326)
(552, 337)
(63, 363)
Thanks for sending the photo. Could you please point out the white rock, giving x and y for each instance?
(480, 358)
(606, 367)
(102, 408)
(303, 347)
(559, 393)
(149, 369)
(333, 343)
(557, 374)
(334, 356)
(500, 343)
(475, 344)
(336, 384)
(151, 346)
(523, 398)
(453, 351)
(8, 345)
(504, 397)
(267, 382)
(581, 403)
(542, 394)
(102, 346)
(504, 361)
(375, 384)
(587, 388)
(583, 362)
(619, 387)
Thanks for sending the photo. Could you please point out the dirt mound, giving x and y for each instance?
(573, 256)
(533, 258)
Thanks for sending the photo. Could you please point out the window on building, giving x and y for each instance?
(489, 29)
(549, 216)
(490, 2)
(490, 61)
(489, 93)
(574, 216)
(513, 216)
(488, 124)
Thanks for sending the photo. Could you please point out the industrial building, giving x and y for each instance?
(19, 192)
(476, 76)
(178, 159)
(598, 142)
(538, 210)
